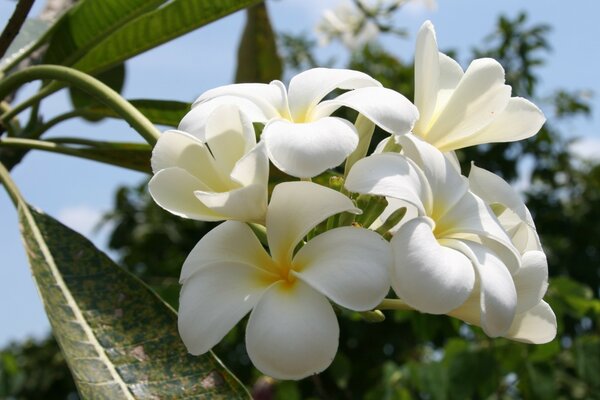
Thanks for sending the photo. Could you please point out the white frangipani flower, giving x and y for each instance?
(221, 175)
(300, 136)
(534, 321)
(292, 331)
(454, 244)
(459, 109)
(348, 24)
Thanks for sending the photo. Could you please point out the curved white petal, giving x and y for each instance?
(447, 185)
(308, 88)
(387, 108)
(520, 119)
(305, 150)
(428, 276)
(537, 325)
(427, 75)
(231, 242)
(213, 300)
(229, 135)
(247, 204)
(392, 175)
(531, 280)
(181, 150)
(173, 189)
(252, 167)
(450, 76)
(194, 122)
(480, 97)
(348, 265)
(498, 299)
(292, 332)
(270, 98)
(297, 207)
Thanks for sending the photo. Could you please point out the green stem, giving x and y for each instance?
(393, 304)
(10, 186)
(88, 84)
(54, 121)
(31, 101)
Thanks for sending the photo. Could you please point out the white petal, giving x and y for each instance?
(213, 300)
(179, 149)
(292, 332)
(306, 150)
(247, 204)
(450, 76)
(427, 75)
(308, 88)
(447, 184)
(388, 109)
(229, 135)
(537, 325)
(497, 290)
(232, 242)
(531, 280)
(519, 120)
(173, 189)
(427, 276)
(297, 207)
(270, 98)
(194, 122)
(253, 167)
(479, 98)
(348, 265)
(392, 175)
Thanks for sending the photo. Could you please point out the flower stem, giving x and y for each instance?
(87, 84)
(10, 186)
(393, 304)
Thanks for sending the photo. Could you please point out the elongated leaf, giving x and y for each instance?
(134, 158)
(120, 340)
(258, 60)
(176, 18)
(162, 112)
(88, 23)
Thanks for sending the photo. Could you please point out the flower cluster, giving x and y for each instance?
(405, 216)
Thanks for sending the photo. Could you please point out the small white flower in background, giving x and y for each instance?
(220, 175)
(534, 321)
(300, 136)
(459, 109)
(348, 24)
(455, 243)
(292, 331)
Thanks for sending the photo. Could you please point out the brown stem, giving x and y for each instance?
(14, 24)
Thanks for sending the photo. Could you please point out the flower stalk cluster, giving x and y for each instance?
(403, 217)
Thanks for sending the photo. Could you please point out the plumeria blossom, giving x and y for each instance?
(454, 246)
(534, 321)
(222, 174)
(459, 109)
(348, 24)
(292, 331)
(301, 137)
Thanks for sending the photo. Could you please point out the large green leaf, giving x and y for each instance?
(258, 60)
(161, 112)
(154, 28)
(120, 340)
(88, 23)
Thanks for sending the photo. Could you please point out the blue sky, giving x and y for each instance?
(78, 191)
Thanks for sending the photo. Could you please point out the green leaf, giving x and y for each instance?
(161, 112)
(176, 18)
(126, 155)
(258, 60)
(90, 22)
(119, 339)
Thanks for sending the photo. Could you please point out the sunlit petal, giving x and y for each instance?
(292, 332)
(348, 265)
(305, 150)
(297, 207)
(537, 325)
(248, 203)
(531, 280)
(427, 75)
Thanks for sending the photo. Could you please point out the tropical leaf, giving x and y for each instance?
(161, 112)
(176, 18)
(88, 23)
(120, 340)
(258, 60)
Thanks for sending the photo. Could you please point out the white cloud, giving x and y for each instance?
(81, 218)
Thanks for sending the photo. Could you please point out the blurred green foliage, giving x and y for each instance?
(409, 355)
